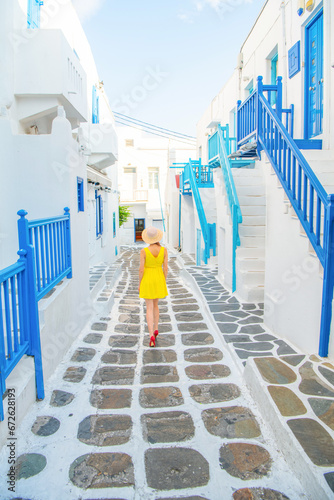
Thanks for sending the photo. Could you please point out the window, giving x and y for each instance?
(130, 170)
(80, 191)
(114, 224)
(249, 88)
(95, 107)
(153, 177)
(129, 143)
(33, 19)
(99, 214)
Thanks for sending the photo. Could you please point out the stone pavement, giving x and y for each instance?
(310, 379)
(124, 421)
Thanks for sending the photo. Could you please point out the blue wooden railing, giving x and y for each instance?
(313, 206)
(45, 259)
(19, 324)
(221, 148)
(51, 240)
(196, 175)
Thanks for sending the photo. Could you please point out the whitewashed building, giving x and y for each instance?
(59, 149)
(144, 162)
(281, 256)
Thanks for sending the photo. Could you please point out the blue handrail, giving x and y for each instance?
(232, 196)
(19, 325)
(208, 230)
(51, 240)
(313, 206)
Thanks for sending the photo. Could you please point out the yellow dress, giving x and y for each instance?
(153, 284)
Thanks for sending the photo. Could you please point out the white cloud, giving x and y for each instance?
(186, 18)
(86, 9)
(222, 6)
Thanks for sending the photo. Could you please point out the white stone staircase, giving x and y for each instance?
(250, 255)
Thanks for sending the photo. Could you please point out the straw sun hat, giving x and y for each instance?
(152, 235)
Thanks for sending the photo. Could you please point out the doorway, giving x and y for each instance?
(139, 228)
(314, 77)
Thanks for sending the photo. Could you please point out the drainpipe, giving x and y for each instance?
(284, 60)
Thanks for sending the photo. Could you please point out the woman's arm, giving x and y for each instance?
(166, 263)
(141, 265)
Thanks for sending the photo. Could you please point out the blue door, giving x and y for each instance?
(198, 249)
(314, 77)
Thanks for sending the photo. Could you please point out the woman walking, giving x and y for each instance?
(152, 278)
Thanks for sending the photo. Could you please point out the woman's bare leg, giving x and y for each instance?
(155, 314)
(149, 315)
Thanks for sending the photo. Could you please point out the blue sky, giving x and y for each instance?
(163, 61)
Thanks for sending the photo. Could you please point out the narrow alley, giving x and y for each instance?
(121, 420)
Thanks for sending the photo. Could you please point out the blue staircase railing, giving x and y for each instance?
(19, 323)
(196, 175)
(45, 259)
(313, 206)
(51, 240)
(219, 148)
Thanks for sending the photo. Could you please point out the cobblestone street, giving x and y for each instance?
(124, 421)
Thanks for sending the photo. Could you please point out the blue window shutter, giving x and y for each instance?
(80, 191)
(114, 224)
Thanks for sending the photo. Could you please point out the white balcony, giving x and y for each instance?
(134, 196)
(48, 74)
(100, 143)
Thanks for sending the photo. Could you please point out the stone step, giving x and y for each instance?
(249, 218)
(256, 210)
(251, 253)
(250, 264)
(252, 294)
(252, 277)
(252, 241)
(247, 172)
(248, 181)
(256, 190)
(251, 200)
(251, 230)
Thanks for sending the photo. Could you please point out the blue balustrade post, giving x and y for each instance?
(238, 122)
(227, 139)
(33, 330)
(328, 279)
(68, 242)
(279, 97)
(258, 123)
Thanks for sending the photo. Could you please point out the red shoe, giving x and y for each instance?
(152, 341)
(156, 333)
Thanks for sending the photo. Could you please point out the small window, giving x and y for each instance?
(130, 170)
(99, 214)
(129, 143)
(273, 77)
(153, 177)
(114, 224)
(250, 87)
(34, 7)
(80, 191)
(95, 106)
